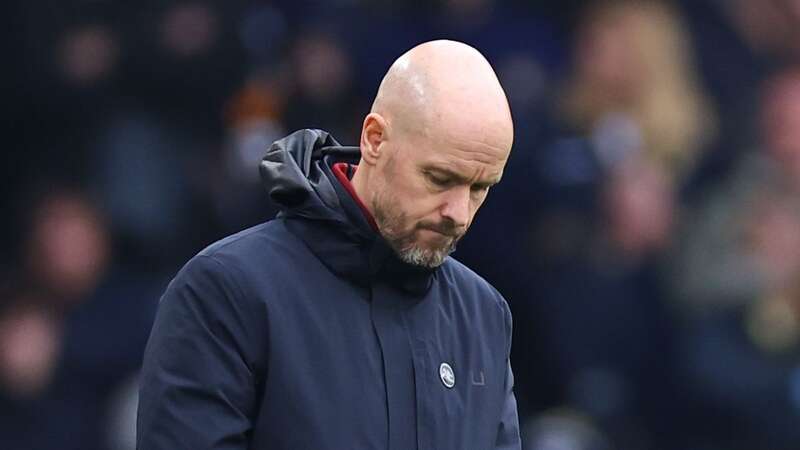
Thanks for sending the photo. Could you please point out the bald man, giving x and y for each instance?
(344, 324)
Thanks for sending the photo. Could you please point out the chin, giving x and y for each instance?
(421, 258)
(426, 257)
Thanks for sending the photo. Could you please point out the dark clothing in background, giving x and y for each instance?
(307, 332)
(101, 348)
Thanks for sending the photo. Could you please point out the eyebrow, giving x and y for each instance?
(460, 178)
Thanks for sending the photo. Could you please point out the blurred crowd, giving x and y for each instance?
(646, 232)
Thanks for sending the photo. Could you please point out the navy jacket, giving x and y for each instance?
(306, 332)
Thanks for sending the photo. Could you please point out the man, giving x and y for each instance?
(343, 323)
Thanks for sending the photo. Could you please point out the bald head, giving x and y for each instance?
(441, 107)
(444, 86)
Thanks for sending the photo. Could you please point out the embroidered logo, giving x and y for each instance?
(447, 375)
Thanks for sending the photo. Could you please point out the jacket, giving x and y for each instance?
(307, 332)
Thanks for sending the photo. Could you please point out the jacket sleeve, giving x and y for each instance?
(508, 430)
(199, 377)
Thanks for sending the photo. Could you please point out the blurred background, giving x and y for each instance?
(646, 233)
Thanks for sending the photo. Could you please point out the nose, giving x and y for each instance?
(456, 207)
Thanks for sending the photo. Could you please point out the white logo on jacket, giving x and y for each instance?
(447, 375)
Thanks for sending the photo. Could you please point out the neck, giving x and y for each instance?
(359, 182)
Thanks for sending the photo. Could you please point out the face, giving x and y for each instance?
(781, 123)
(69, 246)
(431, 189)
(608, 53)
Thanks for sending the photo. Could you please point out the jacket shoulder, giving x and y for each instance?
(222, 261)
(262, 235)
(258, 246)
(238, 256)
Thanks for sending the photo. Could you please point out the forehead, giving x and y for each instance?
(472, 154)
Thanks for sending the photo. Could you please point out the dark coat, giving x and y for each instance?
(306, 332)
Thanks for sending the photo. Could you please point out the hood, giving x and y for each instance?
(297, 174)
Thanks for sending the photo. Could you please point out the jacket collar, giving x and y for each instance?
(297, 172)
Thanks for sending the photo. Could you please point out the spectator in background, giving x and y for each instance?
(68, 248)
(70, 95)
(740, 243)
(188, 63)
(735, 274)
(738, 44)
(70, 339)
(323, 91)
(631, 95)
(633, 78)
(632, 123)
(638, 206)
(146, 172)
(601, 315)
(254, 116)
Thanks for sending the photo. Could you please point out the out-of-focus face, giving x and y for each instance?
(639, 204)
(606, 56)
(431, 188)
(781, 122)
(69, 246)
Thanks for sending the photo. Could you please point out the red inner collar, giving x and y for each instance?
(344, 172)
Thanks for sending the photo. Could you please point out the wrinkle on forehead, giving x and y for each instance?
(471, 146)
(471, 164)
(477, 151)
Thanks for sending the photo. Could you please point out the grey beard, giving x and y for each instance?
(403, 245)
(423, 257)
(408, 252)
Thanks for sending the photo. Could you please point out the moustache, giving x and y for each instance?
(445, 229)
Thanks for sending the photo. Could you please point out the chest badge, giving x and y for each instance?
(447, 375)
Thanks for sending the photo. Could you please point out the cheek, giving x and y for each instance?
(416, 200)
(421, 208)
(477, 202)
(475, 206)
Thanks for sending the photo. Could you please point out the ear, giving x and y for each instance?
(373, 135)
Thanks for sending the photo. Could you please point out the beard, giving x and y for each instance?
(393, 226)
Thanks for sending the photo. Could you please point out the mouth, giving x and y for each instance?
(438, 238)
(440, 232)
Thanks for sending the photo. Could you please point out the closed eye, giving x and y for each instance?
(438, 180)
